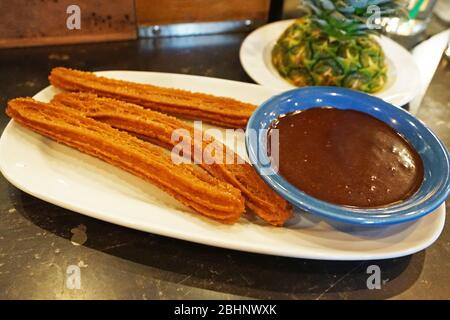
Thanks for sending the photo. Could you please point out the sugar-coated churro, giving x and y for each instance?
(158, 128)
(187, 183)
(221, 111)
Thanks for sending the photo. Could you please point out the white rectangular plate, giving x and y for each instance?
(75, 181)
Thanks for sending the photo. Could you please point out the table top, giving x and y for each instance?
(40, 241)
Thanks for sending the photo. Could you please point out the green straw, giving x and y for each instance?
(415, 10)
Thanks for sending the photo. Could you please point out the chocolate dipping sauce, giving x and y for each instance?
(347, 157)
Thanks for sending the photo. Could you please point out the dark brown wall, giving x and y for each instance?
(41, 22)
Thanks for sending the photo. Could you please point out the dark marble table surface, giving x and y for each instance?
(38, 241)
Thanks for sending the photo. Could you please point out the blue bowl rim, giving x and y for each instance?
(366, 216)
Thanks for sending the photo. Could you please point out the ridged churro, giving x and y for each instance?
(187, 183)
(158, 128)
(221, 111)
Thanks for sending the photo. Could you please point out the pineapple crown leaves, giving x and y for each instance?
(346, 19)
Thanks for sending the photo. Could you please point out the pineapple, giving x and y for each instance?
(333, 46)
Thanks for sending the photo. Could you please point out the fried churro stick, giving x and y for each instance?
(217, 110)
(158, 128)
(187, 183)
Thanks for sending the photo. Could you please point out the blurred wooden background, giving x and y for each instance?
(43, 22)
(181, 11)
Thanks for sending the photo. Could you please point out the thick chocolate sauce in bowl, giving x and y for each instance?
(346, 157)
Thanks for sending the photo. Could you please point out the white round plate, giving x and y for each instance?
(255, 54)
(84, 184)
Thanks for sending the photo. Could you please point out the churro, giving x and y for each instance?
(221, 111)
(158, 128)
(187, 183)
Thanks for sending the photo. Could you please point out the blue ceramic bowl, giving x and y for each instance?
(433, 191)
